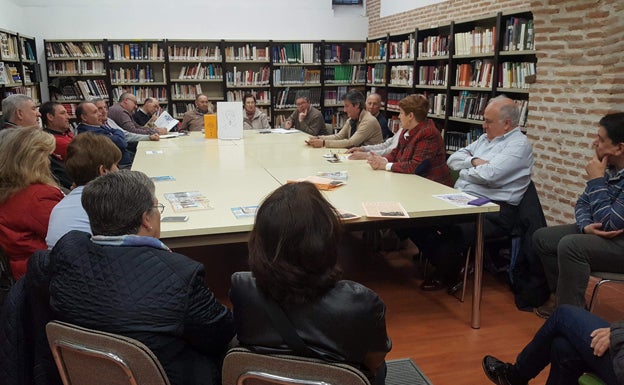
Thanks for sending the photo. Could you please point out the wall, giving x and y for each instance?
(11, 17)
(579, 79)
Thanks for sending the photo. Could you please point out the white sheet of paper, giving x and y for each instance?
(230, 120)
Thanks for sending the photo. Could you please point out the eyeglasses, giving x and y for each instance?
(160, 207)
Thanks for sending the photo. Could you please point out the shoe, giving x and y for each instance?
(547, 308)
(501, 373)
(455, 288)
(432, 285)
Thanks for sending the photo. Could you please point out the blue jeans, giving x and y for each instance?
(564, 343)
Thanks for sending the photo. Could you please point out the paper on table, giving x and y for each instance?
(458, 199)
(384, 210)
(321, 183)
(283, 131)
(347, 215)
(188, 200)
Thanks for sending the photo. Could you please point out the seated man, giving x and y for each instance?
(573, 341)
(88, 156)
(306, 118)
(124, 280)
(91, 121)
(373, 105)
(193, 120)
(19, 111)
(421, 147)
(144, 114)
(55, 121)
(360, 129)
(497, 166)
(122, 113)
(595, 241)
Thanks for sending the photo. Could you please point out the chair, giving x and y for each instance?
(85, 356)
(604, 277)
(243, 367)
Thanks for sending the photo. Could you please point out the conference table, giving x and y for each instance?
(241, 173)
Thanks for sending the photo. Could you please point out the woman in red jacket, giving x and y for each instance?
(28, 192)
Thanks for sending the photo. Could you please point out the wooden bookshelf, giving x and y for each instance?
(19, 69)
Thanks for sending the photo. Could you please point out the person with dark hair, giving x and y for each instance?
(28, 192)
(55, 121)
(420, 147)
(293, 254)
(253, 118)
(88, 157)
(124, 280)
(306, 118)
(361, 129)
(91, 121)
(595, 241)
(193, 120)
(573, 341)
(144, 114)
(123, 111)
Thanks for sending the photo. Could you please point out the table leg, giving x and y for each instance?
(475, 320)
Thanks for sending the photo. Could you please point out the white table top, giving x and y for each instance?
(233, 173)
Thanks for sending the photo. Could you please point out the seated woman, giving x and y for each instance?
(420, 149)
(293, 250)
(573, 341)
(124, 280)
(253, 118)
(28, 192)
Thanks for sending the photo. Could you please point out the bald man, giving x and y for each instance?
(373, 105)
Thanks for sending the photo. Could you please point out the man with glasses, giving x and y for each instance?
(122, 113)
(306, 118)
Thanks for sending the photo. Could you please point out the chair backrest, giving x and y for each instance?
(85, 356)
(243, 367)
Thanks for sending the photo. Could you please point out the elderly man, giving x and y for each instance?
(19, 111)
(497, 166)
(306, 118)
(131, 137)
(144, 114)
(122, 113)
(373, 104)
(361, 129)
(194, 120)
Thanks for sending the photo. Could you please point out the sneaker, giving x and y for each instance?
(501, 373)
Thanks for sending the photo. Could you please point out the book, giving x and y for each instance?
(347, 215)
(166, 120)
(162, 178)
(188, 200)
(4, 77)
(244, 211)
(456, 199)
(384, 210)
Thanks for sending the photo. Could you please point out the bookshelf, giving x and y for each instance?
(77, 71)
(19, 69)
(401, 63)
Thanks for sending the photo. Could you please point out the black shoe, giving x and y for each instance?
(455, 288)
(501, 373)
(432, 285)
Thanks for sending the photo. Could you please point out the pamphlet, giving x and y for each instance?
(458, 199)
(244, 211)
(188, 201)
(335, 175)
(347, 215)
(384, 210)
(166, 120)
(162, 178)
(284, 131)
(321, 183)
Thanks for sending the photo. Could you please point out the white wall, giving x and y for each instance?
(11, 17)
(184, 19)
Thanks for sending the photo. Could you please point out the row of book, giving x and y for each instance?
(402, 49)
(376, 50)
(136, 51)
(478, 41)
(179, 109)
(247, 52)
(516, 74)
(82, 90)
(456, 140)
(334, 96)
(434, 46)
(262, 96)
(79, 67)
(10, 74)
(376, 74)
(394, 123)
(523, 106)
(433, 75)
(136, 74)
(341, 53)
(393, 100)
(8, 47)
(199, 53)
(70, 49)
(286, 98)
(468, 105)
(296, 75)
(28, 50)
(402, 75)
(477, 73)
(70, 108)
(201, 71)
(141, 93)
(519, 34)
(437, 103)
(304, 53)
(335, 117)
(31, 91)
(186, 91)
(345, 74)
(248, 77)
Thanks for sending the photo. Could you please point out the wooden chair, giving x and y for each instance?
(243, 367)
(90, 357)
(604, 277)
